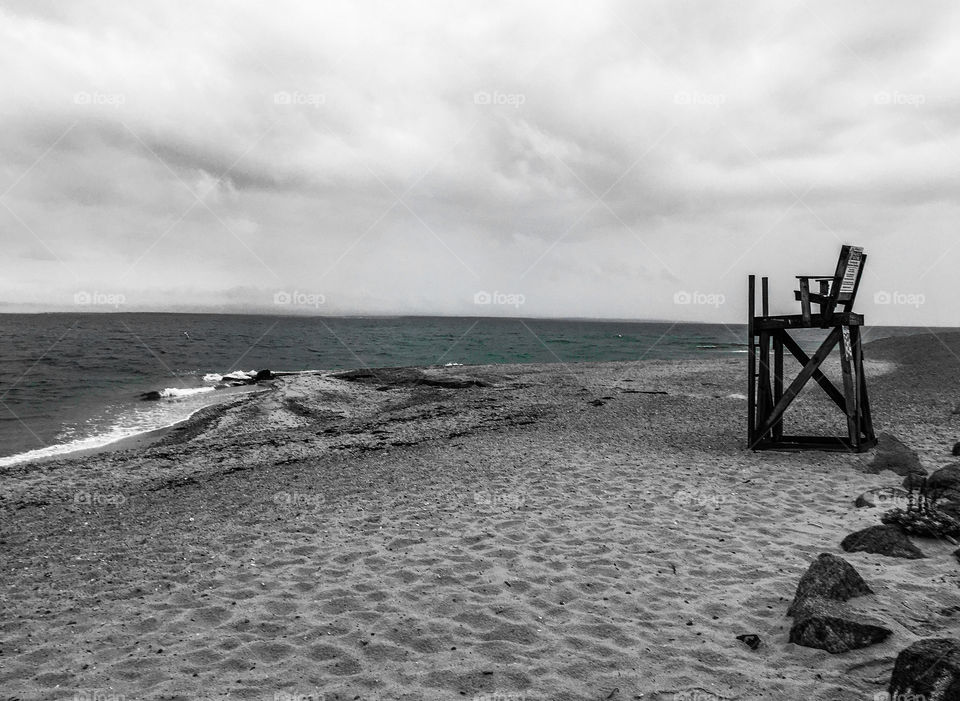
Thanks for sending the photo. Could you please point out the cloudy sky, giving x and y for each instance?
(601, 159)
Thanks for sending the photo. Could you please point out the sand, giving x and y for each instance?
(544, 532)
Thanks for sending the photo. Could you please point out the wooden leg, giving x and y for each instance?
(857, 358)
(778, 380)
(751, 363)
(805, 300)
(849, 388)
(765, 398)
(866, 421)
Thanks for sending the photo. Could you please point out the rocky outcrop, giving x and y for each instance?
(820, 620)
(411, 377)
(882, 540)
(829, 626)
(945, 483)
(929, 670)
(829, 578)
(238, 378)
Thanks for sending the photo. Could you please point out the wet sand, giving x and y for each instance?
(590, 531)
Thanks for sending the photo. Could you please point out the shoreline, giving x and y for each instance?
(134, 441)
(149, 437)
(548, 531)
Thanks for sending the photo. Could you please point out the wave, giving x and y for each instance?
(135, 421)
(176, 392)
(128, 427)
(238, 375)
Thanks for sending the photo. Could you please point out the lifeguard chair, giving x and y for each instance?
(767, 401)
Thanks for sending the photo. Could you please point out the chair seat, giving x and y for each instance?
(796, 321)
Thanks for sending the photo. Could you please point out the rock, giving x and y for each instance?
(882, 540)
(914, 481)
(929, 670)
(950, 508)
(956, 554)
(956, 449)
(750, 640)
(829, 577)
(237, 378)
(945, 483)
(151, 396)
(883, 497)
(411, 377)
(827, 626)
(894, 455)
(241, 377)
(598, 402)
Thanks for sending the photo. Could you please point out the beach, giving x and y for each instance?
(539, 531)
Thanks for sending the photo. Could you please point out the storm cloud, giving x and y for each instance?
(609, 159)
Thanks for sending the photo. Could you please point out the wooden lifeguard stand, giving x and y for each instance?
(767, 401)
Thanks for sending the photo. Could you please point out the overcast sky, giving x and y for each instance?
(587, 159)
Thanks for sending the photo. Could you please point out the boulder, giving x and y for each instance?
(950, 508)
(828, 626)
(883, 497)
(242, 377)
(894, 455)
(829, 577)
(882, 540)
(237, 377)
(151, 396)
(956, 449)
(945, 483)
(929, 670)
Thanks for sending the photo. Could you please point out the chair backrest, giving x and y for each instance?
(846, 281)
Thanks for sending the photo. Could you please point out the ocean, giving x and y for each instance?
(71, 382)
